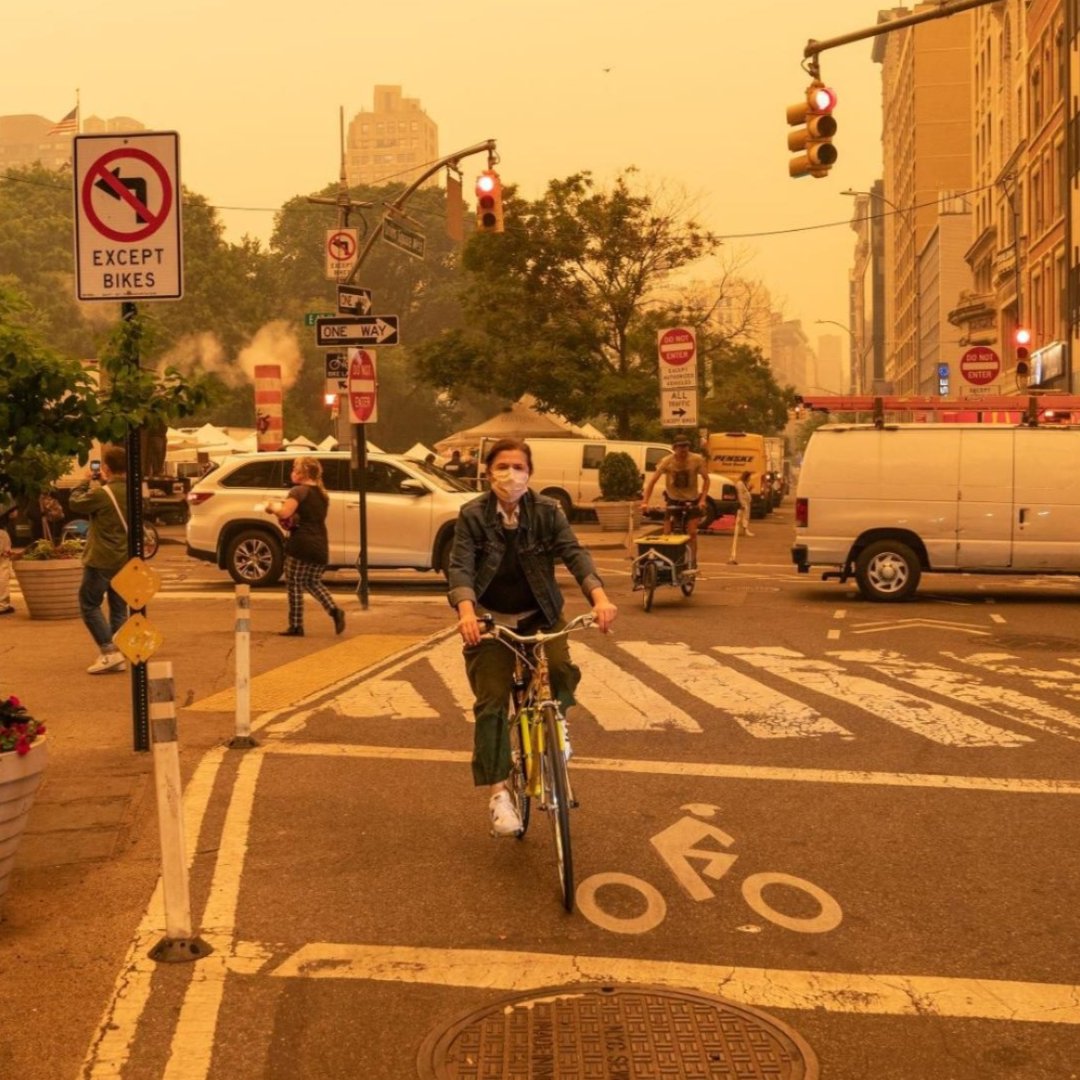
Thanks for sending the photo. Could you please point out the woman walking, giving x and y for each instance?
(303, 513)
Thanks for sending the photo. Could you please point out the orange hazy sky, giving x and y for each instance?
(694, 96)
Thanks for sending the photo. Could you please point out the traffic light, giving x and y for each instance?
(489, 208)
(815, 126)
(1022, 339)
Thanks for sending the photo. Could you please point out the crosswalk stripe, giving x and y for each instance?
(1065, 682)
(449, 665)
(960, 686)
(929, 719)
(762, 711)
(620, 702)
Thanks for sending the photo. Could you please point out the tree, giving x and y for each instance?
(742, 394)
(560, 304)
(51, 408)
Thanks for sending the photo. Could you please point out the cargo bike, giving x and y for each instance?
(666, 558)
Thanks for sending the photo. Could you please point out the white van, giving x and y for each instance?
(888, 504)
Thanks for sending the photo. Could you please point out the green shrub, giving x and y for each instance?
(619, 477)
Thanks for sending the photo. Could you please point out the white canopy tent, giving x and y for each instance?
(521, 420)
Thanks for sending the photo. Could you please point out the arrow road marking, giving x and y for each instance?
(911, 624)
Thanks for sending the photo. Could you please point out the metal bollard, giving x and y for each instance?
(179, 942)
(732, 560)
(243, 740)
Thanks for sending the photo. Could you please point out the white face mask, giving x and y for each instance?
(509, 483)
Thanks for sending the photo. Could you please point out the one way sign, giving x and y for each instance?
(363, 330)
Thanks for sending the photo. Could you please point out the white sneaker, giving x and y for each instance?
(504, 818)
(111, 661)
(568, 750)
(748, 533)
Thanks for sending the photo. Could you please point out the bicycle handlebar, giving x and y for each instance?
(495, 630)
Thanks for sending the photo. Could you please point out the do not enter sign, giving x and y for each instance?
(980, 365)
(677, 345)
(362, 398)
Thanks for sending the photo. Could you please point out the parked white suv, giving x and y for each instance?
(411, 510)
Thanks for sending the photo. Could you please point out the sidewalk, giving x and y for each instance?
(90, 858)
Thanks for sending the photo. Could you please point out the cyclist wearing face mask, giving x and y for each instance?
(503, 564)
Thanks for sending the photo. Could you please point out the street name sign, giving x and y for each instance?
(363, 406)
(353, 300)
(362, 330)
(337, 373)
(980, 365)
(407, 240)
(342, 246)
(127, 217)
(310, 317)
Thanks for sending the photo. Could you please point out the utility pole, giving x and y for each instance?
(344, 203)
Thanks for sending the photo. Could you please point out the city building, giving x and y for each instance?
(27, 138)
(926, 149)
(790, 355)
(392, 143)
(866, 318)
(1072, 179)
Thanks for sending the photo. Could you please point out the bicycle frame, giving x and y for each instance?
(538, 742)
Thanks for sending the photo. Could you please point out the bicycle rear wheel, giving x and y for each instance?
(150, 540)
(557, 794)
(649, 577)
(518, 780)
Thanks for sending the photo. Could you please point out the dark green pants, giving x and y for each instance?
(490, 667)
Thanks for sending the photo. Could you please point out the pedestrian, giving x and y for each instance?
(302, 514)
(454, 465)
(503, 564)
(100, 497)
(742, 491)
(6, 606)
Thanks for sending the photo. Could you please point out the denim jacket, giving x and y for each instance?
(544, 534)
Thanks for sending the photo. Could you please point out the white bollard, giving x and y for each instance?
(179, 942)
(735, 539)
(243, 739)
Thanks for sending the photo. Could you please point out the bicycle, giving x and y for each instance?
(538, 743)
(79, 528)
(666, 558)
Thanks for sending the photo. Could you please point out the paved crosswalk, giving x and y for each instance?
(960, 701)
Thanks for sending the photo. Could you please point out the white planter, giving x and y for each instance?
(20, 775)
(50, 587)
(616, 516)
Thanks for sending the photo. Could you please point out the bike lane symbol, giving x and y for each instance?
(694, 851)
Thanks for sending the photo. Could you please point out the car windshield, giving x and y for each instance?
(441, 479)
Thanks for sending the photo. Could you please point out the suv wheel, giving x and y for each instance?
(255, 557)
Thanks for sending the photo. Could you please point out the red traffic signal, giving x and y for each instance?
(1022, 339)
(489, 208)
(815, 127)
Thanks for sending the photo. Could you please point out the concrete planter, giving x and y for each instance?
(20, 775)
(615, 516)
(50, 587)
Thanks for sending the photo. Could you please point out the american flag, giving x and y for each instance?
(68, 125)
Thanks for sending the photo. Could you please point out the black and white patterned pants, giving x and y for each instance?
(305, 576)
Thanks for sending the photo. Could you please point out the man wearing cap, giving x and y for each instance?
(680, 470)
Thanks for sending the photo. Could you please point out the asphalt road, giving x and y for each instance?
(853, 816)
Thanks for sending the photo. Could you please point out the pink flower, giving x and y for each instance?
(14, 702)
(22, 747)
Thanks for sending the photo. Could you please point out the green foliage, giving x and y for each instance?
(743, 394)
(48, 405)
(558, 304)
(619, 478)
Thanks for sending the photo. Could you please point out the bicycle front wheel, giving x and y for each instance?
(649, 578)
(518, 782)
(557, 796)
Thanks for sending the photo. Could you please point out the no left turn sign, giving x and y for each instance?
(127, 217)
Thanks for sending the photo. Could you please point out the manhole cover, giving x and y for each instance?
(615, 1033)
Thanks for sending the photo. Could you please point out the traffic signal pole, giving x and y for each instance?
(952, 7)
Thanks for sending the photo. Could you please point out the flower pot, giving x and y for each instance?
(50, 587)
(616, 516)
(20, 775)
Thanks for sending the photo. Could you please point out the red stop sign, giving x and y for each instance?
(361, 384)
(980, 365)
(677, 345)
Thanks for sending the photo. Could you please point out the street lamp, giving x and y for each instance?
(856, 359)
(909, 220)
